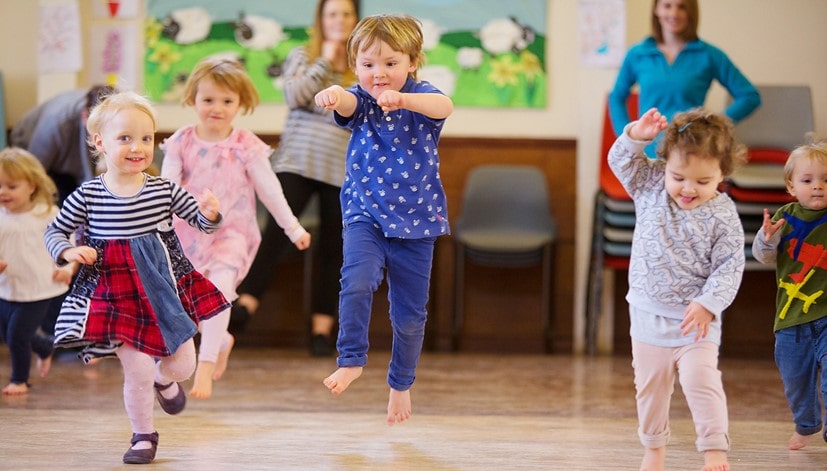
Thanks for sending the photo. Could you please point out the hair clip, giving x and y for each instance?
(683, 127)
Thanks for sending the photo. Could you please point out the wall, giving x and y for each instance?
(773, 42)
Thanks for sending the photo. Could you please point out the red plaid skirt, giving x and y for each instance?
(110, 303)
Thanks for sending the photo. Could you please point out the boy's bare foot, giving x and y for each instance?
(399, 406)
(715, 460)
(202, 383)
(223, 358)
(798, 441)
(44, 365)
(341, 378)
(16, 389)
(654, 459)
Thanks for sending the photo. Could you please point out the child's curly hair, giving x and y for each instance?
(703, 134)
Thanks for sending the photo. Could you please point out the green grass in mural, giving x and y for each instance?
(515, 80)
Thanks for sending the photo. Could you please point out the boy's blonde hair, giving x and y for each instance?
(703, 134)
(226, 73)
(19, 164)
(110, 106)
(817, 151)
(403, 33)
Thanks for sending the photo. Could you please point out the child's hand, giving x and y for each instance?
(3, 266)
(63, 274)
(330, 97)
(391, 100)
(696, 316)
(80, 254)
(208, 205)
(769, 227)
(647, 127)
(303, 242)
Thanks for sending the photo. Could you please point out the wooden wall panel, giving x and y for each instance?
(502, 307)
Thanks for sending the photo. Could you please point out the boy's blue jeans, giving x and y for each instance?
(367, 253)
(801, 357)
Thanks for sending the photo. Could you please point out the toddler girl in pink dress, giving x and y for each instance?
(234, 164)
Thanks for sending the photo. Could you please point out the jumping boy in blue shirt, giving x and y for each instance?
(393, 203)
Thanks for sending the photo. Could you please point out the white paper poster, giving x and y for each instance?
(602, 32)
(113, 55)
(59, 45)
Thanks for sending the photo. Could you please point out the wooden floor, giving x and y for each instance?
(471, 412)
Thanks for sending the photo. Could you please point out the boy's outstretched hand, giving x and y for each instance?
(769, 227)
(208, 205)
(330, 97)
(648, 126)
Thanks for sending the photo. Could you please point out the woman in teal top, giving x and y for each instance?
(674, 69)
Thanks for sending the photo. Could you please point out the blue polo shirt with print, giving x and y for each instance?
(392, 168)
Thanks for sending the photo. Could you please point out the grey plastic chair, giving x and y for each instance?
(505, 221)
(782, 120)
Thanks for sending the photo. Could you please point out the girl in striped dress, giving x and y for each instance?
(136, 296)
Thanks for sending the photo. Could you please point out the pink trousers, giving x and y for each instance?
(696, 366)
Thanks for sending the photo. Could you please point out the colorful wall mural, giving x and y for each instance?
(483, 53)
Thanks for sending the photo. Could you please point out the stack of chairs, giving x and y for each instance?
(770, 133)
(613, 223)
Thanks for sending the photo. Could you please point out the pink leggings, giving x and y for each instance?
(697, 365)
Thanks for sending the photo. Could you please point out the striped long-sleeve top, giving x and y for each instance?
(104, 215)
(312, 145)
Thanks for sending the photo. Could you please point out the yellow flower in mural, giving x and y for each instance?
(164, 56)
(152, 33)
(504, 71)
(530, 66)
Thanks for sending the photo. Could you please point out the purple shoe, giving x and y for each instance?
(171, 406)
(144, 456)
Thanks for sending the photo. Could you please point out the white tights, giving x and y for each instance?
(141, 371)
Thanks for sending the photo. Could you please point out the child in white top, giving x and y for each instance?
(234, 164)
(29, 278)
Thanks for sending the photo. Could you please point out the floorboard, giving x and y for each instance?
(470, 412)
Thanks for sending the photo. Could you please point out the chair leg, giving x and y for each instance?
(459, 295)
(548, 296)
(594, 284)
(307, 286)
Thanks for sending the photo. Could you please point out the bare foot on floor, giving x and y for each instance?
(341, 378)
(798, 441)
(44, 365)
(223, 358)
(202, 383)
(654, 459)
(16, 389)
(715, 460)
(399, 406)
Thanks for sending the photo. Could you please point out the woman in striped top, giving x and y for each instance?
(136, 296)
(310, 160)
